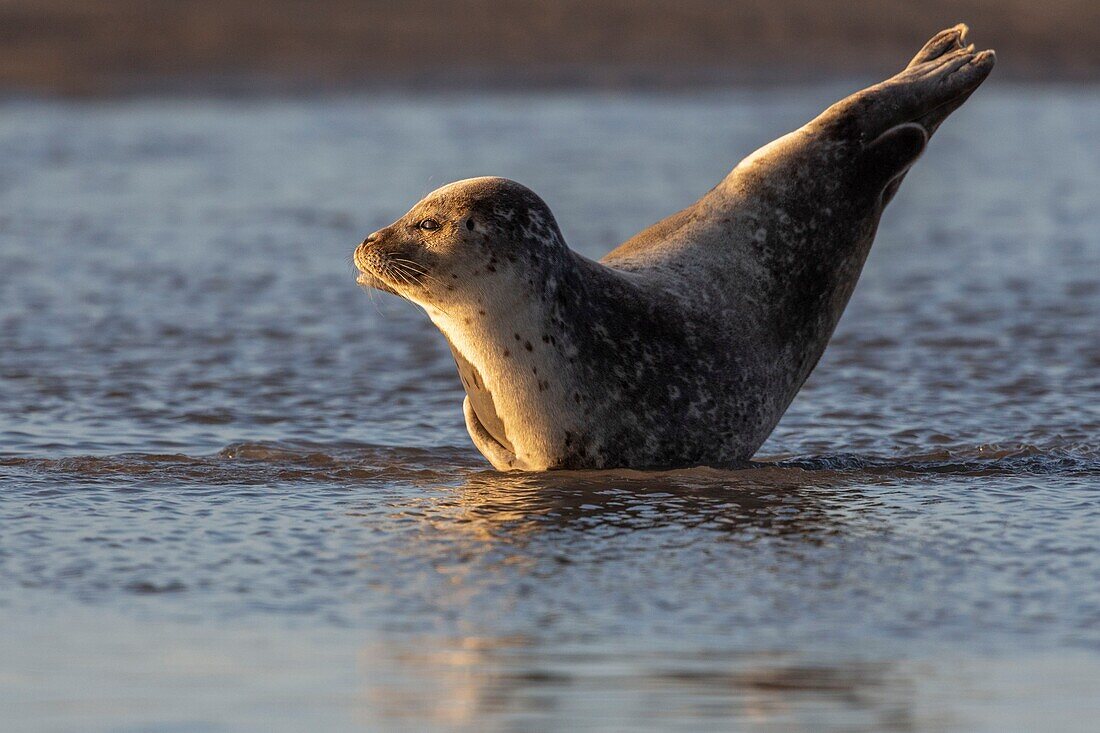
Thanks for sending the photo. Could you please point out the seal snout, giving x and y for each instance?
(371, 264)
(368, 255)
(363, 253)
(388, 263)
(364, 247)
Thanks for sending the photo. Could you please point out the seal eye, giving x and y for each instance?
(428, 224)
(470, 224)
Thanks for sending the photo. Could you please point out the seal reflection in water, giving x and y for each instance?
(685, 345)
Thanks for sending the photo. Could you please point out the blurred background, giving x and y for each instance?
(113, 46)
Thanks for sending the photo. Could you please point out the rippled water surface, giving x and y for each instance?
(236, 492)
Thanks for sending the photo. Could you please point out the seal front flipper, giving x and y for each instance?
(480, 399)
(482, 421)
(502, 458)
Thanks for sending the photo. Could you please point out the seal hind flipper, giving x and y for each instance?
(925, 92)
(953, 64)
(949, 39)
(821, 162)
(835, 173)
(889, 157)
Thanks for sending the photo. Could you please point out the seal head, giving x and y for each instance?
(455, 246)
(470, 254)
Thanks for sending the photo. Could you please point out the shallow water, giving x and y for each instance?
(237, 493)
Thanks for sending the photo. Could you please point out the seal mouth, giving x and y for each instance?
(370, 280)
(376, 271)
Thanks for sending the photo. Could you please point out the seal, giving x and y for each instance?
(685, 345)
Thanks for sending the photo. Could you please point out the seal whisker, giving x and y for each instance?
(403, 266)
(404, 276)
(415, 268)
(391, 269)
(410, 263)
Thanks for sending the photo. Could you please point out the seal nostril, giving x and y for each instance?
(371, 238)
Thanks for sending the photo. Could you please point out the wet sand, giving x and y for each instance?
(61, 46)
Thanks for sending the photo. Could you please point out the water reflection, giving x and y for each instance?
(548, 541)
(768, 500)
(801, 498)
(515, 680)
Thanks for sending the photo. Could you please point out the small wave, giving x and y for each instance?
(981, 460)
(258, 462)
(146, 587)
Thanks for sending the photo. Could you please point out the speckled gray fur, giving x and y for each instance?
(686, 344)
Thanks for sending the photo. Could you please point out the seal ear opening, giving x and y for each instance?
(888, 158)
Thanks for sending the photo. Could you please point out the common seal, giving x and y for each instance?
(685, 345)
